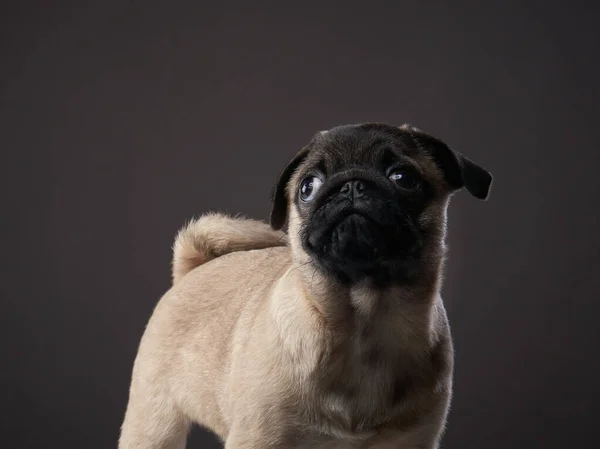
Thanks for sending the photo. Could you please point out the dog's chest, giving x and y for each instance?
(356, 385)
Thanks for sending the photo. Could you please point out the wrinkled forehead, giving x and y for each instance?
(345, 147)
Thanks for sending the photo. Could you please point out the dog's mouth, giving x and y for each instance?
(353, 234)
(353, 241)
(351, 215)
(356, 237)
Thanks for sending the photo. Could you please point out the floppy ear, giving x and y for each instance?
(280, 197)
(476, 179)
(459, 171)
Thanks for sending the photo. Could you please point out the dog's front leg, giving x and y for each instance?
(152, 422)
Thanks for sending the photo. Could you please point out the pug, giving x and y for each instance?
(330, 335)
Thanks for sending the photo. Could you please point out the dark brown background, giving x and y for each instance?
(120, 121)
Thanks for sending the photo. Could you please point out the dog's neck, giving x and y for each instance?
(335, 301)
(402, 313)
(394, 317)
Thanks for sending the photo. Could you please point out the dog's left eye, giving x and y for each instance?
(309, 187)
(405, 179)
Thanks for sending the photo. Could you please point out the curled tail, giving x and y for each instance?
(213, 235)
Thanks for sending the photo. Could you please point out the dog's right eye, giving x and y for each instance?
(309, 187)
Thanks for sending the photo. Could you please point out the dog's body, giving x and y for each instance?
(291, 341)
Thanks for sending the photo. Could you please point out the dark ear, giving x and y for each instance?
(280, 197)
(458, 169)
(477, 180)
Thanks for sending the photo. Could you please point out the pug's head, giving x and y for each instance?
(369, 201)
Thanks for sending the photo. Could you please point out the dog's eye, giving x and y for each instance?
(309, 187)
(405, 179)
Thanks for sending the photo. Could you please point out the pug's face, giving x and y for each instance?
(369, 199)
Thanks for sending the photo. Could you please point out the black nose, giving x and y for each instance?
(354, 188)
